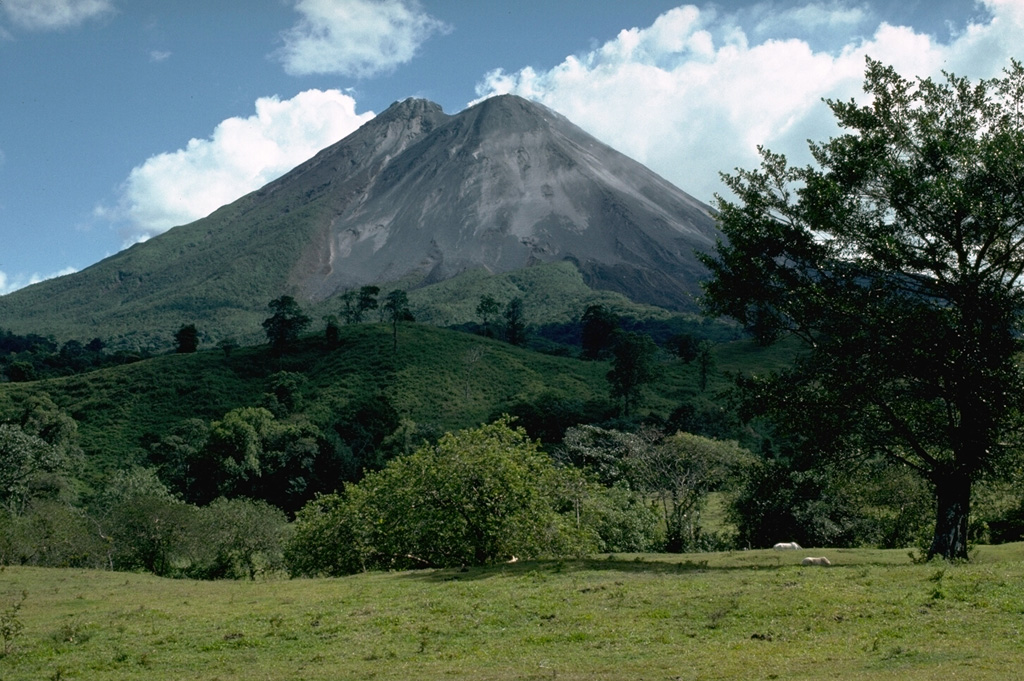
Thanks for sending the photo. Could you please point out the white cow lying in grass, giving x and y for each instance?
(818, 560)
(786, 546)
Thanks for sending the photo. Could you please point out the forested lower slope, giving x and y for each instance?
(437, 379)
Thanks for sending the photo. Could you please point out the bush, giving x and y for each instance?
(52, 534)
(478, 497)
(238, 539)
(328, 538)
(148, 527)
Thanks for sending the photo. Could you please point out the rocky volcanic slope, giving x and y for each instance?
(414, 195)
(504, 185)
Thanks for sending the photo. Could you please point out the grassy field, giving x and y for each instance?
(738, 615)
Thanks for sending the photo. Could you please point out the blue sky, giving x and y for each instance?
(122, 118)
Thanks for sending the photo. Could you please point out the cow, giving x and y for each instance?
(787, 546)
(816, 560)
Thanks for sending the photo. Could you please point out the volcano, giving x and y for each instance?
(414, 196)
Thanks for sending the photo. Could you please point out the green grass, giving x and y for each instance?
(749, 615)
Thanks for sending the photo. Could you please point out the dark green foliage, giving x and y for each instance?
(180, 458)
(286, 393)
(237, 539)
(600, 452)
(897, 260)
(478, 497)
(285, 325)
(396, 306)
(515, 323)
(487, 310)
(32, 357)
(705, 363)
(685, 346)
(702, 417)
(186, 339)
(227, 345)
(632, 368)
(597, 331)
(24, 458)
(328, 539)
(363, 426)
(622, 520)
(779, 503)
(147, 526)
(549, 415)
(332, 331)
(366, 301)
(53, 533)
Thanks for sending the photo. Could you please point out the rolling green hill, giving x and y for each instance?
(439, 380)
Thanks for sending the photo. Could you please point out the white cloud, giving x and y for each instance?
(50, 15)
(694, 94)
(810, 17)
(159, 55)
(9, 284)
(355, 37)
(240, 156)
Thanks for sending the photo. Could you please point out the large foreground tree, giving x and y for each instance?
(897, 259)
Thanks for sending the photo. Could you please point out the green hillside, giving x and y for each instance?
(444, 379)
(439, 379)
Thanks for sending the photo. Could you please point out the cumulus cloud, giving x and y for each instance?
(240, 156)
(50, 15)
(357, 38)
(696, 92)
(9, 284)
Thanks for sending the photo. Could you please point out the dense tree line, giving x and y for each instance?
(33, 357)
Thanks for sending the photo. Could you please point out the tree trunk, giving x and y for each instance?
(953, 496)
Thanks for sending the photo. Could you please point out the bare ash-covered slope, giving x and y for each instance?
(415, 195)
(506, 184)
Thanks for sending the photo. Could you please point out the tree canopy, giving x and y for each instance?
(285, 325)
(897, 259)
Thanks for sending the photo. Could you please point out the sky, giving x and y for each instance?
(120, 119)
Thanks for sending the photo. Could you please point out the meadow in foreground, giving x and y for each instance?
(751, 615)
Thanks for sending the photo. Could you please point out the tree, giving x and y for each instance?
(23, 458)
(897, 260)
(705, 362)
(227, 345)
(685, 346)
(148, 527)
(597, 332)
(600, 452)
(186, 339)
(349, 308)
(396, 305)
(632, 368)
(332, 331)
(238, 539)
(287, 322)
(515, 324)
(235, 450)
(487, 310)
(680, 471)
(367, 300)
